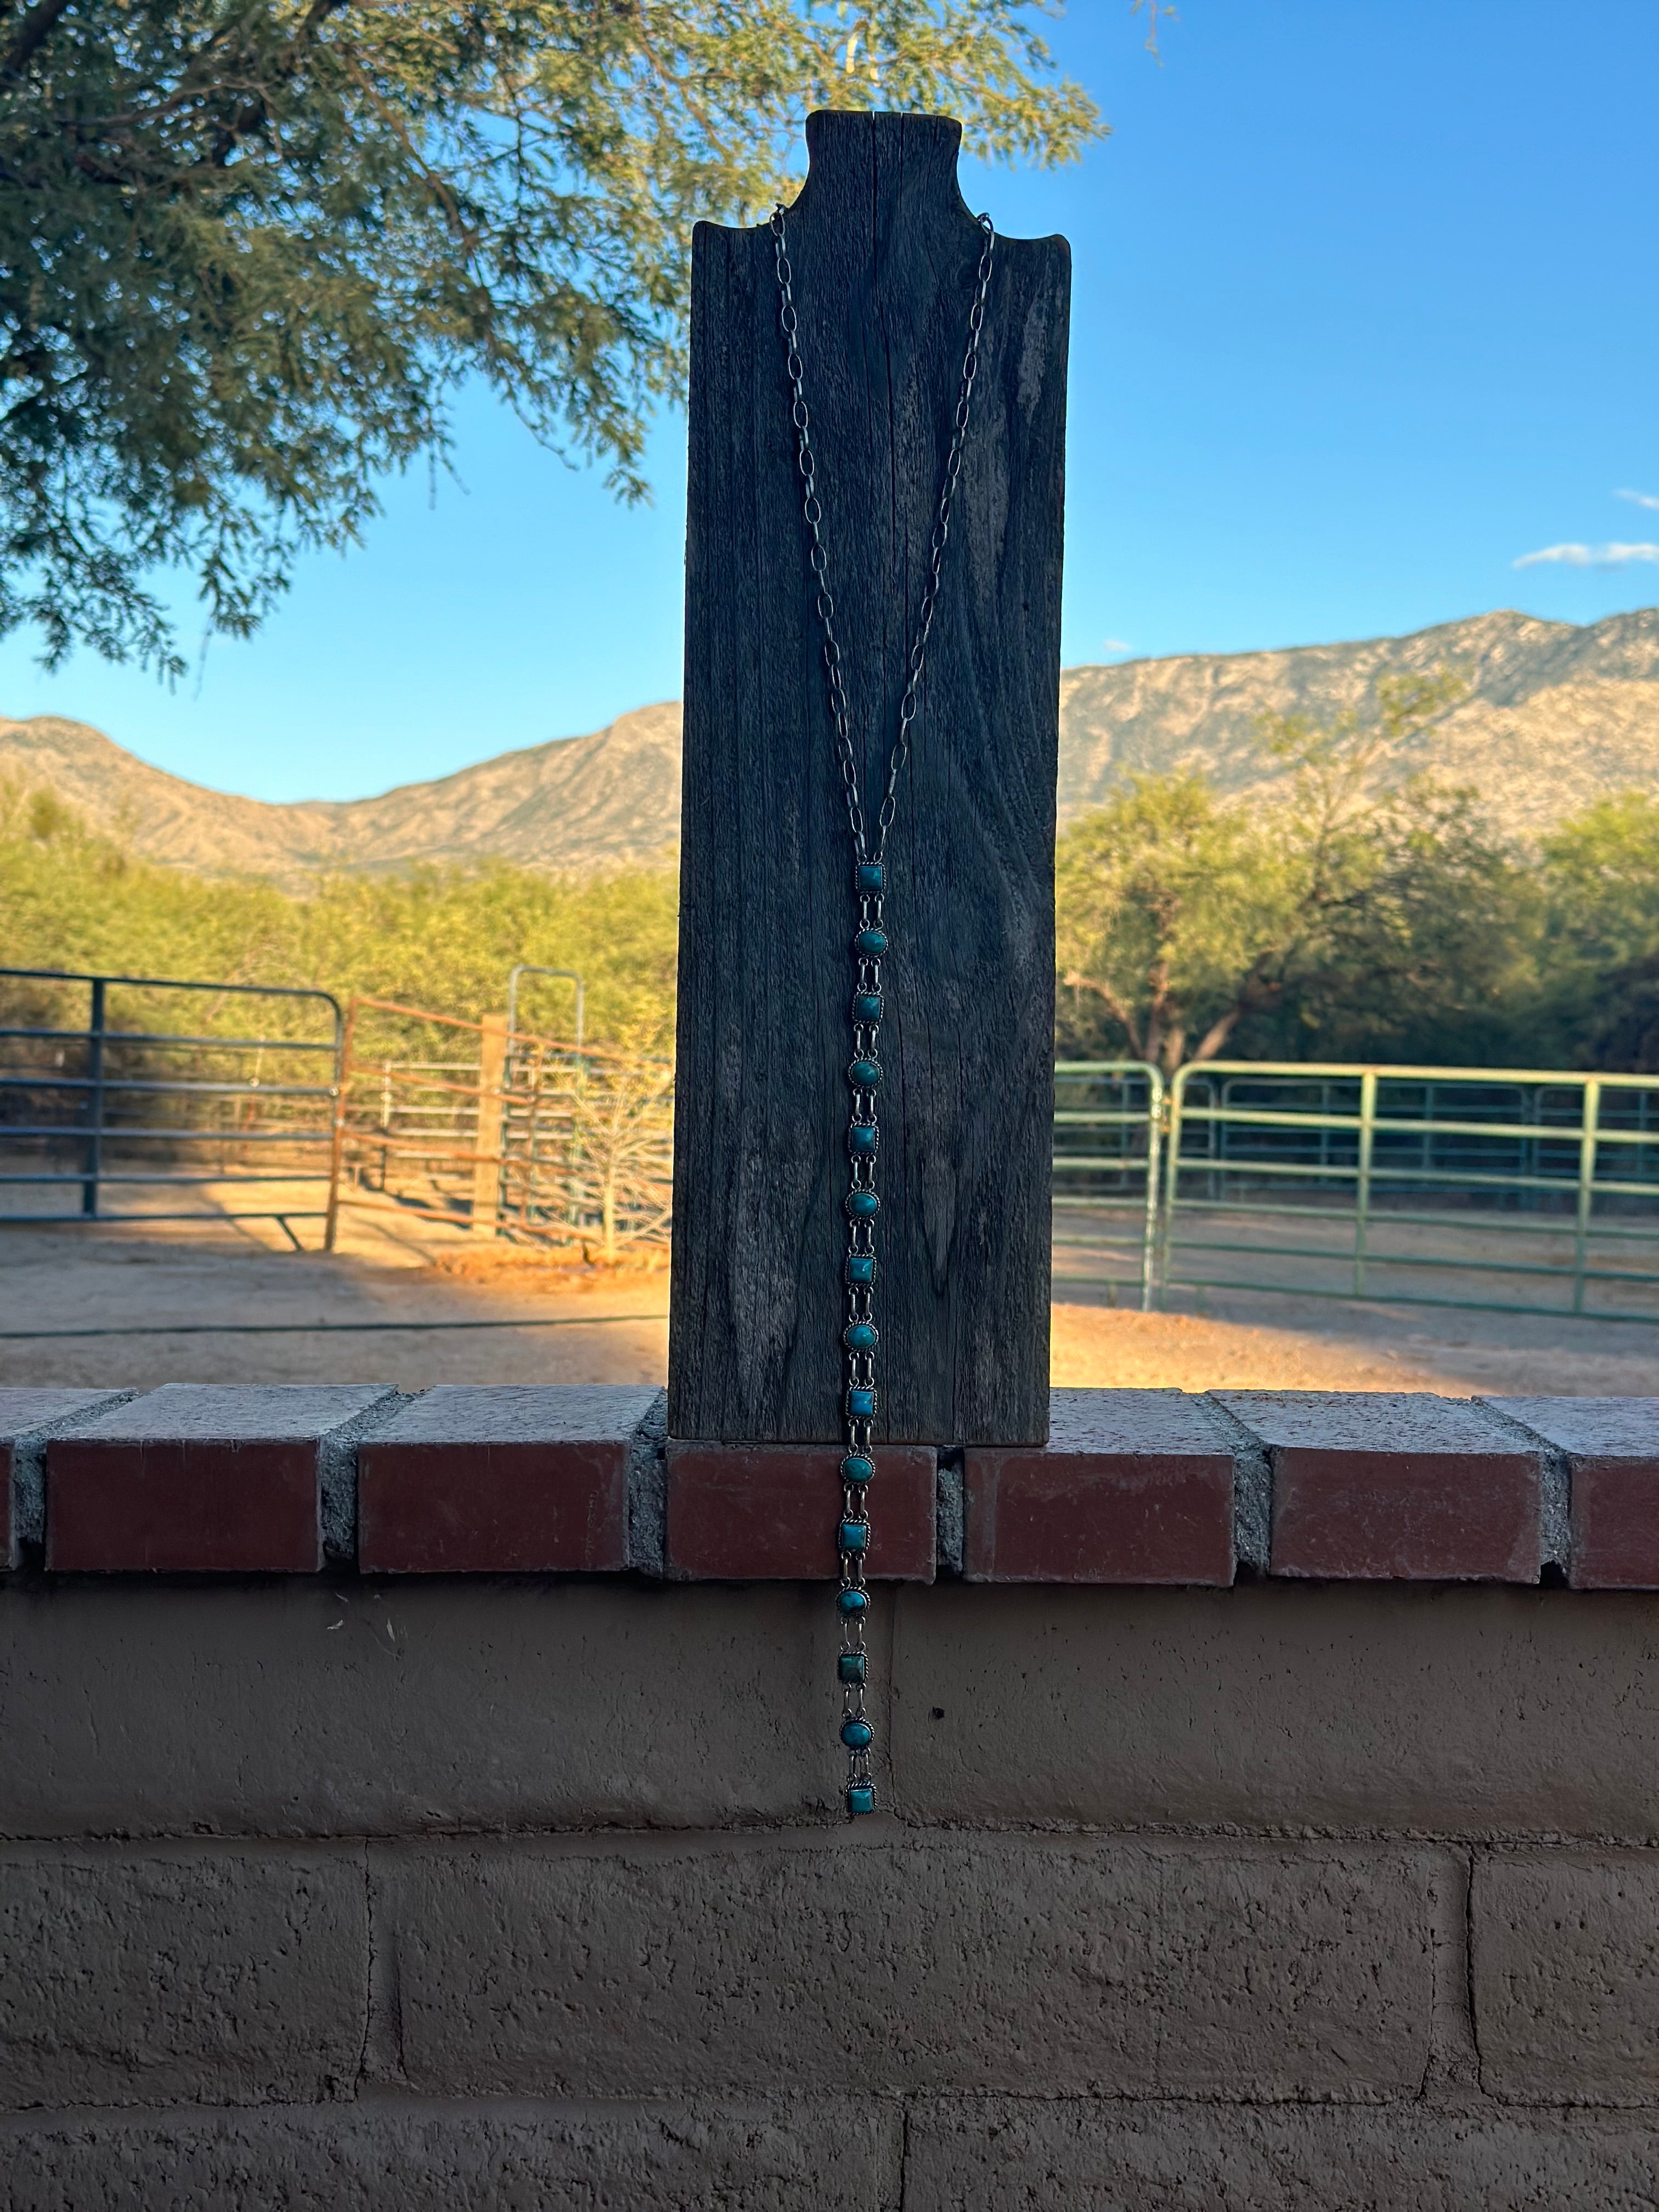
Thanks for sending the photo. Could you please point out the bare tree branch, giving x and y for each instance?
(35, 27)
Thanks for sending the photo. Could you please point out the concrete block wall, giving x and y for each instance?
(1269, 1816)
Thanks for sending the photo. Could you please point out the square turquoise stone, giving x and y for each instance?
(870, 876)
(861, 1267)
(861, 1404)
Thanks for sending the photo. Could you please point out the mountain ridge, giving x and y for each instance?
(1555, 716)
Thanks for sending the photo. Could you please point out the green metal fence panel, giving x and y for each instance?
(1522, 1190)
(1109, 1135)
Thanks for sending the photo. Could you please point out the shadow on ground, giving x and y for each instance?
(231, 1303)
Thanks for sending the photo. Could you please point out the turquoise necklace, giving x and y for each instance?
(860, 1397)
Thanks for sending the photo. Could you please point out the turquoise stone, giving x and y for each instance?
(862, 1137)
(853, 1601)
(861, 1267)
(850, 1667)
(866, 1007)
(860, 1798)
(856, 1468)
(857, 1735)
(861, 1337)
(863, 1205)
(870, 942)
(854, 1535)
(869, 877)
(866, 1075)
(860, 1405)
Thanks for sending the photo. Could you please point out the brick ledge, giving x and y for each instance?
(1134, 1487)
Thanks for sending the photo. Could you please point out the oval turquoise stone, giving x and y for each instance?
(857, 1735)
(854, 1535)
(853, 1601)
(870, 942)
(862, 1336)
(865, 1074)
(863, 1205)
(856, 1468)
(866, 1007)
(861, 1267)
(860, 1798)
(849, 1667)
(869, 877)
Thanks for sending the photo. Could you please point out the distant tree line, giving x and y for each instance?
(1354, 912)
(438, 938)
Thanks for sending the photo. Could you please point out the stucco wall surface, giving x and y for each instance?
(357, 1891)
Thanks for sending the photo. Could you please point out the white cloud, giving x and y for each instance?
(1115, 645)
(1639, 499)
(1589, 556)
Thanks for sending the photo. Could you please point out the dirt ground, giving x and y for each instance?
(411, 1304)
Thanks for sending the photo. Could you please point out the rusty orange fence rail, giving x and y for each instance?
(501, 1131)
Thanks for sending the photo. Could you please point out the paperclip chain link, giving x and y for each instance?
(860, 1338)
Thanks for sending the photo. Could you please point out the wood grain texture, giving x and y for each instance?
(884, 252)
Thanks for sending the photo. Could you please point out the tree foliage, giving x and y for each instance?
(1183, 916)
(1600, 922)
(439, 939)
(249, 249)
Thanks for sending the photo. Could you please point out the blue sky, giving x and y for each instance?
(1365, 315)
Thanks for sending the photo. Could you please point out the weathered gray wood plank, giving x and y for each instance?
(885, 253)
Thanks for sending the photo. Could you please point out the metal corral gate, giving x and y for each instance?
(1520, 1190)
(142, 1098)
(1108, 1125)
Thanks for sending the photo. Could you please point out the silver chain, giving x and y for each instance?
(860, 1337)
(812, 511)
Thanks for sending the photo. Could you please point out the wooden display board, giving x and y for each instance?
(884, 252)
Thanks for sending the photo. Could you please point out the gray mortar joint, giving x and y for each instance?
(28, 1474)
(337, 1473)
(1253, 1487)
(1554, 1487)
(648, 1491)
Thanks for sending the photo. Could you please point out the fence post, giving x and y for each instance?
(1588, 1132)
(527, 1206)
(1171, 1177)
(1528, 1195)
(1149, 1234)
(1363, 1190)
(95, 1025)
(336, 1142)
(487, 1159)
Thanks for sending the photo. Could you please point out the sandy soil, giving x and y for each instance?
(1278, 1343)
(405, 1305)
(232, 1304)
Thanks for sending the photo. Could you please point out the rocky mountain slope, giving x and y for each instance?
(604, 800)
(1553, 716)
